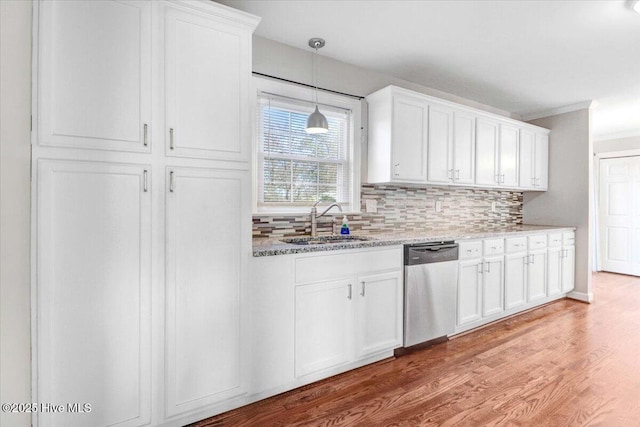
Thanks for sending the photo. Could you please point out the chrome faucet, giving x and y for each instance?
(315, 216)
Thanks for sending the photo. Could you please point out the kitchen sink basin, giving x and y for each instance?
(324, 240)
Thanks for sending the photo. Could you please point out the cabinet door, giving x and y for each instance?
(93, 294)
(409, 139)
(568, 268)
(94, 74)
(554, 285)
(515, 279)
(464, 148)
(323, 325)
(439, 156)
(206, 74)
(492, 286)
(542, 161)
(537, 275)
(469, 291)
(486, 152)
(527, 159)
(379, 313)
(205, 231)
(508, 174)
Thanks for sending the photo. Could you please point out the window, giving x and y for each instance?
(296, 169)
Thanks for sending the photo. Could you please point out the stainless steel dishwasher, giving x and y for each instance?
(430, 280)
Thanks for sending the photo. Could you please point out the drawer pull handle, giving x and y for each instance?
(349, 294)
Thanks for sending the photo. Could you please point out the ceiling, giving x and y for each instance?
(519, 56)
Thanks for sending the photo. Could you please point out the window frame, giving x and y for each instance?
(296, 92)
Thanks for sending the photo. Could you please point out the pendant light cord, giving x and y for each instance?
(315, 71)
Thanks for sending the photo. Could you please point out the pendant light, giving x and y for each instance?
(316, 122)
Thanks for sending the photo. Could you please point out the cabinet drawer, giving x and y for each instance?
(555, 240)
(569, 238)
(318, 268)
(493, 246)
(470, 249)
(538, 241)
(516, 244)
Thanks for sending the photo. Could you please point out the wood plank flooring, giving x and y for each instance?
(565, 364)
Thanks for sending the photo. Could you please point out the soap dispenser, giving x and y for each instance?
(345, 225)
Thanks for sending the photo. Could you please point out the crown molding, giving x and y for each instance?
(558, 110)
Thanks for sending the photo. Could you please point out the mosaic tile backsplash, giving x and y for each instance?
(405, 209)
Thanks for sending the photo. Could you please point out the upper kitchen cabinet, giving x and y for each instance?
(497, 154)
(419, 139)
(207, 64)
(534, 159)
(450, 158)
(398, 134)
(93, 76)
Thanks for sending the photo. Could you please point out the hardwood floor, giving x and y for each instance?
(565, 364)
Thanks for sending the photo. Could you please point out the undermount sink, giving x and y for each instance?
(324, 240)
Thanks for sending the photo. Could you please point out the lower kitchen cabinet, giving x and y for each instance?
(351, 318)
(469, 291)
(536, 276)
(93, 292)
(379, 312)
(568, 266)
(492, 286)
(323, 325)
(204, 345)
(554, 270)
(515, 280)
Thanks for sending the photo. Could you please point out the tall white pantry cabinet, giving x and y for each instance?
(141, 210)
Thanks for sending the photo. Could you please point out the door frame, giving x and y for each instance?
(596, 224)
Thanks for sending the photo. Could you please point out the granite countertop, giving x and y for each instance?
(267, 247)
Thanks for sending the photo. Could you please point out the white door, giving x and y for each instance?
(527, 159)
(619, 208)
(94, 74)
(568, 268)
(554, 271)
(464, 148)
(93, 292)
(439, 155)
(537, 275)
(469, 291)
(515, 279)
(409, 139)
(323, 325)
(205, 217)
(205, 67)
(508, 175)
(486, 152)
(492, 286)
(542, 161)
(379, 312)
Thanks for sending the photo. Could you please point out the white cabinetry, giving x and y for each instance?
(568, 261)
(537, 267)
(323, 325)
(348, 318)
(397, 137)
(534, 160)
(534, 270)
(93, 75)
(496, 154)
(204, 262)
(140, 258)
(93, 297)
(205, 64)
(451, 154)
(415, 138)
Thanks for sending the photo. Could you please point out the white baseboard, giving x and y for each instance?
(581, 296)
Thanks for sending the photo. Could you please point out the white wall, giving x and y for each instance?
(619, 144)
(569, 200)
(15, 152)
(281, 60)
